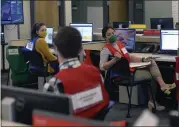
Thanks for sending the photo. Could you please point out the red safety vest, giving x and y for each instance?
(87, 60)
(122, 51)
(80, 79)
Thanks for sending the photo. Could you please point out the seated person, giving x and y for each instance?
(40, 49)
(74, 77)
(117, 50)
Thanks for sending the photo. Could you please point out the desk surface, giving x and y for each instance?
(163, 58)
(12, 124)
(160, 57)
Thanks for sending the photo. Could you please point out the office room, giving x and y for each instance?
(89, 63)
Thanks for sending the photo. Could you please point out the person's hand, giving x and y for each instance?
(147, 59)
(117, 56)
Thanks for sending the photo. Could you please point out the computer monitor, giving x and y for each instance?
(86, 31)
(127, 37)
(169, 40)
(12, 12)
(58, 119)
(27, 100)
(124, 24)
(49, 37)
(166, 23)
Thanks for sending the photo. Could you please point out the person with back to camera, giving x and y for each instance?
(75, 78)
(117, 49)
(39, 47)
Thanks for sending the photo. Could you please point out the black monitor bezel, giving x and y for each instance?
(159, 19)
(15, 92)
(52, 36)
(166, 51)
(92, 31)
(18, 22)
(124, 22)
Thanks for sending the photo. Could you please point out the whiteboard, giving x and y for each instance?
(175, 5)
(95, 16)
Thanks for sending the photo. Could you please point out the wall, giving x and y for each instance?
(68, 12)
(88, 11)
(157, 9)
(25, 28)
(118, 10)
(47, 11)
(79, 10)
(175, 5)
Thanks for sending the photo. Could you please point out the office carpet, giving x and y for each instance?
(119, 111)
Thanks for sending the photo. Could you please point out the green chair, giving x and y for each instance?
(18, 67)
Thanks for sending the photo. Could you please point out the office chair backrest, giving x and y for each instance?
(95, 58)
(121, 69)
(17, 63)
(34, 58)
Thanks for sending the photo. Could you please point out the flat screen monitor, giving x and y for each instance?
(166, 23)
(61, 120)
(27, 100)
(49, 37)
(127, 37)
(169, 40)
(86, 31)
(117, 24)
(12, 12)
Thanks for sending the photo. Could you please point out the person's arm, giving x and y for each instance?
(104, 63)
(54, 85)
(42, 47)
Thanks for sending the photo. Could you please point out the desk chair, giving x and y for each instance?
(120, 74)
(18, 68)
(95, 58)
(102, 114)
(36, 66)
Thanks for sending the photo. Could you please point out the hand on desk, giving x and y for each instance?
(148, 59)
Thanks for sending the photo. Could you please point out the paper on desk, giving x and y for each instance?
(139, 64)
(147, 119)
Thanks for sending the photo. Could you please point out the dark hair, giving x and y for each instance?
(105, 29)
(35, 28)
(68, 42)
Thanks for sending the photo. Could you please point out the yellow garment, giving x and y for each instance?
(42, 48)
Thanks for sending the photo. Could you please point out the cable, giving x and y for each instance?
(11, 28)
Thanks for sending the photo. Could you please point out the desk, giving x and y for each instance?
(12, 124)
(162, 58)
(98, 45)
